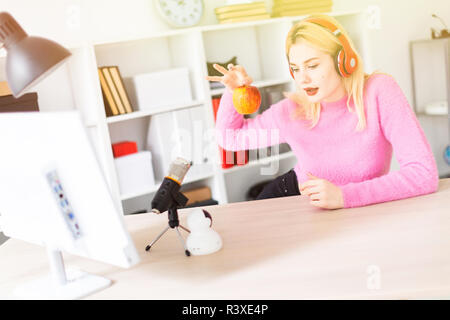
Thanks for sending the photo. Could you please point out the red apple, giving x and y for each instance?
(246, 99)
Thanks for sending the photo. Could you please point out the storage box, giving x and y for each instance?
(164, 88)
(124, 148)
(197, 195)
(135, 172)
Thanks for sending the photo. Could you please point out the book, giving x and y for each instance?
(124, 148)
(301, 5)
(233, 2)
(197, 195)
(241, 157)
(113, 89)
(248, 18)
(110, 105)
(241, 13)
(278, 2)
(4, 89)
(226, 157)
(117, 78)
(25, 103)
(237, 7)
(301, 12)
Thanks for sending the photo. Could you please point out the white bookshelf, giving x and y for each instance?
(261, 162)
(259, 46)
(258, 84)
(155, 187)
(153, 111)
(430, 74)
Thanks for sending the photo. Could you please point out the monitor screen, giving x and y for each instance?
(53, 192)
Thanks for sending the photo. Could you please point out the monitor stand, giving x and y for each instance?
(61, 286)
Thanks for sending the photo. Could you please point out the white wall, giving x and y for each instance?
(401, 21)
(71, 22)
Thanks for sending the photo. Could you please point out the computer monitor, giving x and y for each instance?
(53, 193)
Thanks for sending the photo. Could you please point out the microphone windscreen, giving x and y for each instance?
(178, 169)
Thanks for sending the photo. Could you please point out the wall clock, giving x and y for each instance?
(181, 13)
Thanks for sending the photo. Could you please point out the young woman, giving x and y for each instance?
(341, 123)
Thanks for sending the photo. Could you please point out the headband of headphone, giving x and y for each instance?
(347, 60)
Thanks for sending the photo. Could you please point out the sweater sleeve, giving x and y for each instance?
(418, 172)
(235, 133)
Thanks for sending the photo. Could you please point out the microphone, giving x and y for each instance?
(168, 194)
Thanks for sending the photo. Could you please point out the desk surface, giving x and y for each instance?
(277, 249)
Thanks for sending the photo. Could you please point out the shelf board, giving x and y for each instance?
(258, 84)
(156, 186)
(156, 110)
(145, 36)
(260, 162)
(239, 25)
(141, 193)
(428, 40)
(424, 114)
(212, 27)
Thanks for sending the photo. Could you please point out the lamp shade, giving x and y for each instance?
(28, 59)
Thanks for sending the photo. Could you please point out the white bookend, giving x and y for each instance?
(160, 143)
(135, 172)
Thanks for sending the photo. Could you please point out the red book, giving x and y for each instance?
(226, 157)
(124, 148)
(241, 157)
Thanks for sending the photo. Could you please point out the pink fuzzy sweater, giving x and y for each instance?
(357, 162)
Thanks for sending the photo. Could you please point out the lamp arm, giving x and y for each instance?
(10, 30)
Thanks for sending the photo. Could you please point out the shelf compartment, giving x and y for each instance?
(261, 162)
(253, 175)
(258, 84)
(262, 56)
(156, 110)
(156, 186)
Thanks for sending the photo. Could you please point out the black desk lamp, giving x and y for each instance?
(29, 59)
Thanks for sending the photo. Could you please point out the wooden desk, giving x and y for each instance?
(278, 249)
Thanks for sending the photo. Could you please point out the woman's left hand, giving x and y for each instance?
(322, 193)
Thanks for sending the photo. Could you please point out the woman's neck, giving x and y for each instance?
(337, 94)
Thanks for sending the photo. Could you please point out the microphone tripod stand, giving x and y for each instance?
(174, 223)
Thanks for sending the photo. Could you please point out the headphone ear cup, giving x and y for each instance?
(351, 62)
(341, 64)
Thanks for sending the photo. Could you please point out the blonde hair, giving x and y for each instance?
(325, 41)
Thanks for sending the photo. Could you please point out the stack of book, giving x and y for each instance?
(199, 197)
(9, 103)
(282, 8)
(229, 159)
(242, 12)
(115, 96)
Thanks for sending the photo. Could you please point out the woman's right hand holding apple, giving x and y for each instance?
(234, 77)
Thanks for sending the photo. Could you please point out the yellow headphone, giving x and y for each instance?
(346, 59)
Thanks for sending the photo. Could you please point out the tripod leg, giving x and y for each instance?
(185, 229)
(186, 251)
(156, 239)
